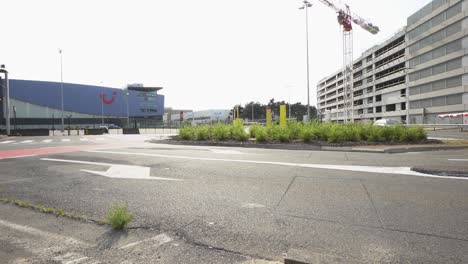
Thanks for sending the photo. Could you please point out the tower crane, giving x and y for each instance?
(345, 19)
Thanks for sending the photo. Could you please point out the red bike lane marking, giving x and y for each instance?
(18, 153)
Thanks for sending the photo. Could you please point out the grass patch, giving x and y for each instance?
(118, 216)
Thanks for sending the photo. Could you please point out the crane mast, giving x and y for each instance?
(345, 17)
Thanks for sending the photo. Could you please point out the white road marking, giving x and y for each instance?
(458, 159)
(65, 140)
(118, 171)
(372, 169)
(47, 140)
(252, 205)
(226, 151)
(20, 156)
(70, 258)
(159, 240)
(27, 141)
(37, 232)
(84, 139)
(6, 142)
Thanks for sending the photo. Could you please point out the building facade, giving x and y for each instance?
(416, 75)
(38, 104)
(204, 117)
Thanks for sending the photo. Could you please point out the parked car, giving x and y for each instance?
(386, 122)
(105, 128)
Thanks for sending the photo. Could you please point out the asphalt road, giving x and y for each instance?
(233, 205)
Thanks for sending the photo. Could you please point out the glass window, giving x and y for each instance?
(454, 82)
(425, 73)
(439, 52)
(438, 19)
(425, 88)
(426, 57)
(415, 104)
(426, 103)
(438, 36)
(414, 90)
(454, 64)
(414, 76)
(438, 69)
(452, 29)
(454, 99)
(438, 85)
(454, 46)
(454, 10)
(438, 101)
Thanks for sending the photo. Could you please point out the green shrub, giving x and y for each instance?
(331, 132)
(118, 216)
(203, 133)
(276, 132)
(261, 135)
(336, 134)
(294, 129)
(187, 133)
(307, 134)
(237, 131)
(253, 130)
(221, 132)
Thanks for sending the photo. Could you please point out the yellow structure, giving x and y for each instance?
(268, 117)
(282, 115)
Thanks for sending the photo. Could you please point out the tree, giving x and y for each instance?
(298, 110)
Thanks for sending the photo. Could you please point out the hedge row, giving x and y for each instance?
(294, 131)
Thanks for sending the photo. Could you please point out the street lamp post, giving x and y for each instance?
(127, 93)
(61, 87)
(253, 115)
(7, 99)
(306, 5)
(102, 108)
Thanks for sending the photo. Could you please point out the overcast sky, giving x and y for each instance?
(205, 53)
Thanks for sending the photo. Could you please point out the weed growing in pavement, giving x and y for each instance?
(22, 203)
(6, 200)
(118, 216)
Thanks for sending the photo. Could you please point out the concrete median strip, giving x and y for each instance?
(371, 169)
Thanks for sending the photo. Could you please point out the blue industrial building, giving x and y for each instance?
(37, 104)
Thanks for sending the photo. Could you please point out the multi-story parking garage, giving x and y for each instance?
(413, 77)
(38, 104)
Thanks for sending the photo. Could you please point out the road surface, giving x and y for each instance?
(229, 205)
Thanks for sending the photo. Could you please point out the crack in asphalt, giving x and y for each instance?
(287, 189)
(372, 203)
(372, 227)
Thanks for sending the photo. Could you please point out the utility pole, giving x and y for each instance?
(128, 111)
(7, 99)
(306, 5)
(253, 115)
(61, 87)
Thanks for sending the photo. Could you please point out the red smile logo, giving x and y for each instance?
(107, 101)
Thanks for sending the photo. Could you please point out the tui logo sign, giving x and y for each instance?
(107, 101)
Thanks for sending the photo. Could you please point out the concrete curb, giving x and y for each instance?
(360, 149)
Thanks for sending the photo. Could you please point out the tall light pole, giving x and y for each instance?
(61, 87)
(306, 5)
(7, 99)
(127, 93)
(253, 112)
